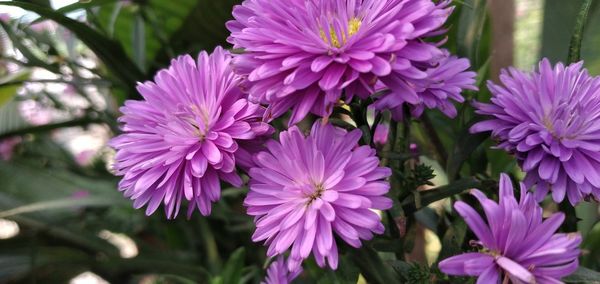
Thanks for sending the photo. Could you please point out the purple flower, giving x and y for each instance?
(309, 54)
(549, 120)
(304, 189)
(184, 137)
(516, 244)
(442, 85)
(278, 272)
(7, 147)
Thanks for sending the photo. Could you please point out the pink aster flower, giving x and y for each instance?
(549, 120)
(306, 55)
(515, 244)
(305, 189)
(279, 273)
(7, 147)
(183, 138)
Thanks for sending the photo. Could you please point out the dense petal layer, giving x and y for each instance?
(548, 119)
(305, 190)
(186, 135)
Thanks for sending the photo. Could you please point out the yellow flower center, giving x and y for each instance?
(319, 189)
(353, 27)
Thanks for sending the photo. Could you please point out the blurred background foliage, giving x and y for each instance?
(66, 67)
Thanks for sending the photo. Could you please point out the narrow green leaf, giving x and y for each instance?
(66, 203)
(428, 218)
(464, 146)
(471, 28)
(583, 275)
(372, 266)
(453, 239)
(77, 6)
(109, 51)
(33, 59)
(439, 193)
(8, 90)
(591, 244)
(577, 38)
(232, 273)
(210, 246)
(139, 41)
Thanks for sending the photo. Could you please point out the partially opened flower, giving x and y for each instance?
(307, 55)
(382, 132)
(279, 273)
(549, 120)
(182, 140)
(515, 243)
(306, 188)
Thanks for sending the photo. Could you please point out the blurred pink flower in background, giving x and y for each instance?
(7, 147)
(4, 17)
(34, 113)
(85, 157)
(80, 194)
(44, 26)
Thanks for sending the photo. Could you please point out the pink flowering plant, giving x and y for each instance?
(293, 141)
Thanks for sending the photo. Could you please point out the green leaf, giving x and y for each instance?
(577, 38)
(583, 275)
(84, 5)
(464, 146)
(232, 273)
(372, 267)
(439, 193)
(557, 35)
(428, 218)
(65, 203)
(145, 28)
(471, 29)
(412, 273)
(139, 42)
(453, 239)
(109, 51)
(591, 243)
(10, 84)
(31, 54)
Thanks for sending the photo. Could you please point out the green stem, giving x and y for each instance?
(570, 223)
(372, 267)
(577, 38)
(435, 139)
(210, 246)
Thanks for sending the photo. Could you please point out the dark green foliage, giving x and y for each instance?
(62, 236)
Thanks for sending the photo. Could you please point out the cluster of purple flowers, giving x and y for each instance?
(309, 55)
(203, 121)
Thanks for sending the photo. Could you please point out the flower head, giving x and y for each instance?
(549, 120)
(516, 243)
(307, 55)
(279, 273)
(304, 189)
(184, 137)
